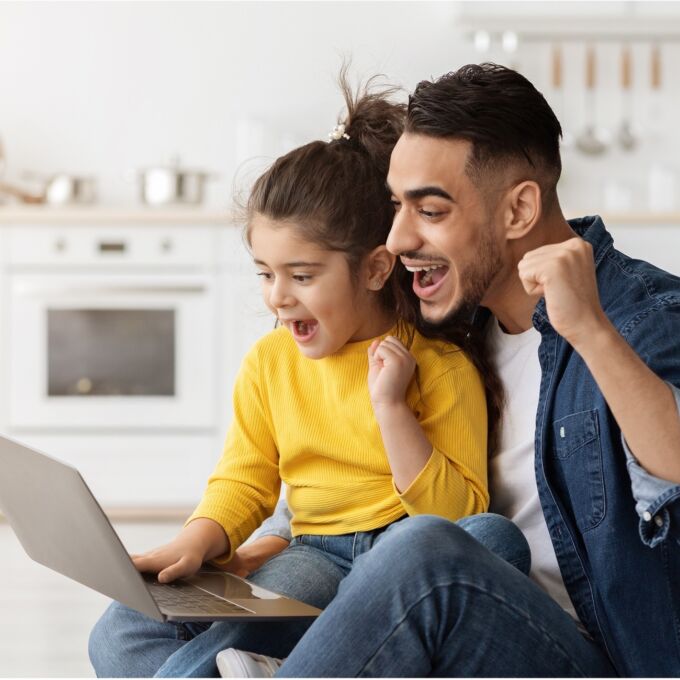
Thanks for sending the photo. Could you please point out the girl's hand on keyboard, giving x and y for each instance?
(200, 540)
(251, 556)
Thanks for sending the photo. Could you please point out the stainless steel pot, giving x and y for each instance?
(171, 185)
(58, 189)
(63, 189)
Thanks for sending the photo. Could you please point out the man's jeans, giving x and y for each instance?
(421, 597)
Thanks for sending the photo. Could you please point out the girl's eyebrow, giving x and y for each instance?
(291, 265)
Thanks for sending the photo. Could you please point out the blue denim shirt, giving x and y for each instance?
(615, 528)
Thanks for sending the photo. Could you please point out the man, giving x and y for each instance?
(589, 461)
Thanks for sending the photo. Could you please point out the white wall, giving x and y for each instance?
(102, 87)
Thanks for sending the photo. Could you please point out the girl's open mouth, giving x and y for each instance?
(428, 280)
(304, 329)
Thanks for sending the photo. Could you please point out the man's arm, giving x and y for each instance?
(642, 403)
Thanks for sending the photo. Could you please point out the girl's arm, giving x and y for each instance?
(438, 454)
(390, 369)
(244, 487)
(270, 539)
(241, 492)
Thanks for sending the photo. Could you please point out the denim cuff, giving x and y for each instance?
(654, 496)
(276, 525)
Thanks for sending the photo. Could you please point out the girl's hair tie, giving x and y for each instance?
(338, 132)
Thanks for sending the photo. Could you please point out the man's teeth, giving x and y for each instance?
(428, 268)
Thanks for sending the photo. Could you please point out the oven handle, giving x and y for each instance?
(37, 289)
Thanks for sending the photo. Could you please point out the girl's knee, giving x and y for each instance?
(102, 640)
(111, 638)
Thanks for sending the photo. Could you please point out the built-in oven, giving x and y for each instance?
(112, 329)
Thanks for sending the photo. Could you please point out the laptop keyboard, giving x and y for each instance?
(187, 598)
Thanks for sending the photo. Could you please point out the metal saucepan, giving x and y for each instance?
(172, 185)
(58, 189)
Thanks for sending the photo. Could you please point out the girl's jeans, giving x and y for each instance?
(422, 596)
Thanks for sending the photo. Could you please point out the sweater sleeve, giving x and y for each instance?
(453, 482)
(244, 487)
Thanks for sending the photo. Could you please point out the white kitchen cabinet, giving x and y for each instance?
(155, 462)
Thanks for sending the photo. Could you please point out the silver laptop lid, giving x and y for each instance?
(61, 525)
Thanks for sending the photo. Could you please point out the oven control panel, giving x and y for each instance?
(129, 245)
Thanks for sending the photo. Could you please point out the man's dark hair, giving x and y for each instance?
(505, 118)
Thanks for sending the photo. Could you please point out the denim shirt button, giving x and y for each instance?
(658, 521)
(647, 516)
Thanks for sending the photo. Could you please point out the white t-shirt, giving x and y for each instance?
(512, 476)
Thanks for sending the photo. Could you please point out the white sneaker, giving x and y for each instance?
(233, 663)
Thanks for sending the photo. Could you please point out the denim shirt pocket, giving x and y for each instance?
(578, 450)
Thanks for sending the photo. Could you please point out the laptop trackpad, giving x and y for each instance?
(228, 586)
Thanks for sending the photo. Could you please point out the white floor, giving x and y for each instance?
(45, 618)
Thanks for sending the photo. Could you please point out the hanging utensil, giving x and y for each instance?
(656, 68)
(590, 140)
(626, 138)
(557, 81)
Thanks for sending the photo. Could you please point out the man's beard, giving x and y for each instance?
(474, 281)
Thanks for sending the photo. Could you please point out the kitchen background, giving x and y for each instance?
(126, 297)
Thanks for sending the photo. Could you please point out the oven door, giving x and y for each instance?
(112, 351)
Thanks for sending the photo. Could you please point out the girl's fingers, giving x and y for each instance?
(386, 351)
(141, 562)
(175, 571)
(395, 342)
(373, 359)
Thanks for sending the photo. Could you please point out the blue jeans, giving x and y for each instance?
(125, 643)
(428, 600)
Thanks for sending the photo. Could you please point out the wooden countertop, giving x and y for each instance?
(181, 215)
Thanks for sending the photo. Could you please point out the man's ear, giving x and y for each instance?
(522, 209)
(379, 265)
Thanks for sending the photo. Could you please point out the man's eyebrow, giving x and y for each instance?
(423, 192)
(291, 265)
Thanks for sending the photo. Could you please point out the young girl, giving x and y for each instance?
(365, 420)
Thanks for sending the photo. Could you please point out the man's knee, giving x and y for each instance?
(429, 542)
(500, 536)
(419, 541)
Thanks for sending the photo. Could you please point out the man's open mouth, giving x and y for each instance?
(427, 279)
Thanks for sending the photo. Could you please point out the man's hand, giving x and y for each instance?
(200, 540)
(564, 274)
(250, 557)
(390, 369)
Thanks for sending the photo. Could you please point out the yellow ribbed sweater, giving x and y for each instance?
(310, 423)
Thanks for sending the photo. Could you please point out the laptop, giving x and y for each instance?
(61, 525)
